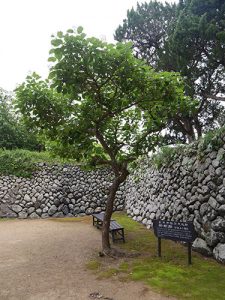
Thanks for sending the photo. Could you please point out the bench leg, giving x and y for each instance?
(119, 232)
(123, 235)
(113, 236)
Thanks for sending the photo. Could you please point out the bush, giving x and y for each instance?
(22, 163)
(16, 163)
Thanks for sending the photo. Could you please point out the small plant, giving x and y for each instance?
(212, 140)
(165, 156)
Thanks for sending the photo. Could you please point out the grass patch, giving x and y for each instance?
(108, 273)
(170, 275)
(93, 265)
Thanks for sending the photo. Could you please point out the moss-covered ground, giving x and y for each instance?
(170, 275)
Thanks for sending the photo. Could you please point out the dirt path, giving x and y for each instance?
(45, 259)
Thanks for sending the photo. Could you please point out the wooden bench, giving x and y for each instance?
(115, 229)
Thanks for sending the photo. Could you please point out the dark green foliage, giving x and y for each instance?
(13, 134)
(100, 103)
(23, 163)
(189, 38)
(16, 163)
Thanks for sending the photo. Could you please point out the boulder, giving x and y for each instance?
(16, 208)
(136, 212)
(200, 246)
(34, 216)
(219, 253)
(27, 198)
(52, 210)
(22, 215)
(218, 224)
(30, 210)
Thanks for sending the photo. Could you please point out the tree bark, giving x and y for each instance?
(109, 210)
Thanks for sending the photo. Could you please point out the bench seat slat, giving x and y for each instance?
(114, 225)
(114, 228)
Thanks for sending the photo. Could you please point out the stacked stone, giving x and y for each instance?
(57, 191)
(190, 188)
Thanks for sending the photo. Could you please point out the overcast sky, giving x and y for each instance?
(26, 27)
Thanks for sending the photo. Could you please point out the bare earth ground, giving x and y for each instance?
(45, 259)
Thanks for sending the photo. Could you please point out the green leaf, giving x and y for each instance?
(80, 29)
(52, 59)
(56, 42)
(60, 34)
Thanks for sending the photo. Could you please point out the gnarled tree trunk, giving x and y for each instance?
(109, 210)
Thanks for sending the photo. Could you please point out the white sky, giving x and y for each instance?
(26, 27)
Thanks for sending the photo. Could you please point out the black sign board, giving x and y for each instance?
(176, 231)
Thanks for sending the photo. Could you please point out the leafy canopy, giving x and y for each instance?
(100, 102)
(187, 37)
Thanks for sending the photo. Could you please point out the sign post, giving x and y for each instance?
(176, 231)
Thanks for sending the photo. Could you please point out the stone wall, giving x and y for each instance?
(191, 186)
(56, 191)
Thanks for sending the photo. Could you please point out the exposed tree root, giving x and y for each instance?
(115, 253)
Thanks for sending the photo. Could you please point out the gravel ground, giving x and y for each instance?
(45, 259)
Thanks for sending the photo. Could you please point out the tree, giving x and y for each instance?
(102, 101)
(13, 133)
(189, 38)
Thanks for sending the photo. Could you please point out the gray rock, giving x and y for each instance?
(212, 238)
(219, 171)
(34, 216)
(39, 211)
(222, 190)
(27, 198)
(5, 212)
(22, 215)
(76, 211)
(45, 216)
(57, 202)
(37, 204)
(204, 209)
(97, 210)
(89, 211)
(216, 163)
(213, 203)
(65, 209)
(45, 209)
(58, 215)
(200, 246)
(30, 210)
(220, 199)
(136, 212)
(218, 224)
(219, 253)
(221, 209)
(16, 208)
(52, 210)
(221, 154)
(139, 219)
